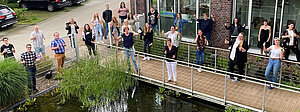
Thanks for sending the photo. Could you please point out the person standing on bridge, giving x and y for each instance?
(148, 39)
(128, 42)
(206, 25)
(38, 37)
(178, 21)
(237, 55)
(115, 26)
(170, 52)
(58, 46)
(200, 41)
(174, 36)
(153, 17)
(274, 62)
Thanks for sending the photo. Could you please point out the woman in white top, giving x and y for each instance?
(175, 37)
(125, 24)
(131, 21)
(274, 61)
(97, 24)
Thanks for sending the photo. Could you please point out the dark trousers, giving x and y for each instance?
(295, 50)
(147, 45)
(240, 66)
(32, 78)
(176, 51)
(91, 49)
(72, 45)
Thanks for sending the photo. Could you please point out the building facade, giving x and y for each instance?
(250, 12)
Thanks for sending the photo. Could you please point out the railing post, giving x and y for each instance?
(138, 58)
(246, 67)
(188, 55)
(280, 75)
(215, 60)
(263, 105)
(225, 88)
(163, 63)
(192, 69)
(76, 45)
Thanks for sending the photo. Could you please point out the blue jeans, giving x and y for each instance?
(98, 30)
(32, 78)
(198, 54)
(128, 51)
(39, 50)
(207, 34)
(154, 27)
(275, 65)
(106, 28)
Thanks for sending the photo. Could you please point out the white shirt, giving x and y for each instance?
(233, 51)
(275, 53)
(291, 33)
(73, 30)
(174, 37)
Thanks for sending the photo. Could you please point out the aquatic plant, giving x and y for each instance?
(95, 81)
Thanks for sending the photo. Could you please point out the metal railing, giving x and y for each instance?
(213, 69)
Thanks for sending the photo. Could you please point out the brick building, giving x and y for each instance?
(250, 12)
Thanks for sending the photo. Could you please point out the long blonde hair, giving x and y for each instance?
(242, 42)
(147, 30)
(94, 18)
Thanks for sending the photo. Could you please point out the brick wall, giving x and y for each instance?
(141, 6)
(222, 10)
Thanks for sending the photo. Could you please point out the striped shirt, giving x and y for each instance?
(29, 58)
(59, 43)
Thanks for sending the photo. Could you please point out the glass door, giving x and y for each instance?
(166, 15)
(187, 10)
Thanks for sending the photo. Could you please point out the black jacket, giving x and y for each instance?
(69, 27)
(286, 41)
(148, 36)
(231, 28)
(240, 57)
(107, 15)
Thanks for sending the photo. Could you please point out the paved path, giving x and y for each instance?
(82, 15)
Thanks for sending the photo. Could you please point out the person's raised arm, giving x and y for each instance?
(195, 17)
(213, 18)
(136, 34)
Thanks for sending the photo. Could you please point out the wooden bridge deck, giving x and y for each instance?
(245, 92)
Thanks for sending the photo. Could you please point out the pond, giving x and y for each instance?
(142, 98)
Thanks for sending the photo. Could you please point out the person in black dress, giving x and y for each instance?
(264, 36)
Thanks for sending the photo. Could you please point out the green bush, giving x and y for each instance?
(21, 13)
(13, 5)
(95, 81)
(13, 81)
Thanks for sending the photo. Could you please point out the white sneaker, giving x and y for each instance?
(148, 58)
(145, 58)
(102, 42)
(199, 70)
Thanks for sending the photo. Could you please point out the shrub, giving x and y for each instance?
(13, 81)
(21, 13)
(96, 81)
(13, 5)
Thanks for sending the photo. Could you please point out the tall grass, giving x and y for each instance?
(96, 81)
(13, 81)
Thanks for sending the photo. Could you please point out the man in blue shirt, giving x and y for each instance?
(206, 25)
(58, 46)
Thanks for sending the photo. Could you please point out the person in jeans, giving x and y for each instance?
(7, 49)
(178, 21)
(28, 58)
(206, 25)
(148, 39)
(174, 36)
(107, 16)
(58, 46)
(153, 17)
(235, 29)
(290, 42)
(123, 12)
(274, 62)
(88, 38)
(115, 26)
(237, 55)
(72, 28)
(170, 52)
(128, 42)
(200, 41)
(38, 37)
(97, 24)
